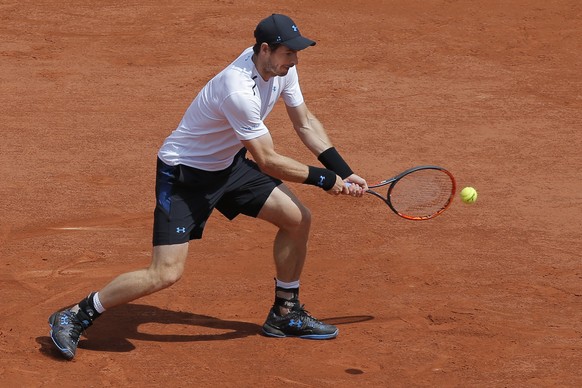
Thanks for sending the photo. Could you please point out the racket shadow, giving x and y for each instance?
(347, 319)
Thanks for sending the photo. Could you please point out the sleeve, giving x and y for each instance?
(292, 91)
(243, 112)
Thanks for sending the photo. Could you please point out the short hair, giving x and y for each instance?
(272, 46)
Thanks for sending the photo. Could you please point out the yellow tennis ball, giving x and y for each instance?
(469, 195)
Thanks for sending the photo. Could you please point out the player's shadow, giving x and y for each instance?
(114, 330)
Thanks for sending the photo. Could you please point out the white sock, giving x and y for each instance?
(97, 303)
(287, 286)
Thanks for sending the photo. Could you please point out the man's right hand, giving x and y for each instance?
(340, 187)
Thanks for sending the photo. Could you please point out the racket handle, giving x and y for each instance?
(348, 184)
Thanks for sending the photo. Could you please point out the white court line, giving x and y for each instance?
(85, 228)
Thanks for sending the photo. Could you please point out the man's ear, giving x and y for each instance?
(265, 48)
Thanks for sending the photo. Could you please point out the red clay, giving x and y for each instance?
(485, 295)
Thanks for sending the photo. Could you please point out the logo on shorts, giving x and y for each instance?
(180, 230)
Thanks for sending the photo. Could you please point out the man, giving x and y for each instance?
(202, 166)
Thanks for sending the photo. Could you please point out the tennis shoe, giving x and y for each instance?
(66, 328)
(297, 323)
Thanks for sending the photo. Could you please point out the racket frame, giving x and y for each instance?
(392, 182)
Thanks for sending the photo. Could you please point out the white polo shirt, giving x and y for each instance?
(230, 108)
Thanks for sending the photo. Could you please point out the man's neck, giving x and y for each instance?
(260, 69)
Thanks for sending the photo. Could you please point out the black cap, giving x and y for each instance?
(281, 29)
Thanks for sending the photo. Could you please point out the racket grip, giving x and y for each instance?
(349, 184)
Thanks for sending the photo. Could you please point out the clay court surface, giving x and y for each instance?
(486, 295)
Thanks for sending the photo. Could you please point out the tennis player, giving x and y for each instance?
(203, 165)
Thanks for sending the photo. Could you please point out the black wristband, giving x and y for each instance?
(331, 159)
(320, 177)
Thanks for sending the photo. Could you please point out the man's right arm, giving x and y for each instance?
(282, 167)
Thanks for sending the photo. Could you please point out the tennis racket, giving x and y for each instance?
(419, 193)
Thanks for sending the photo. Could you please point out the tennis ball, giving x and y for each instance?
(469, 195)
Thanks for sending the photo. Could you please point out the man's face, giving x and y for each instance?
(281, 60)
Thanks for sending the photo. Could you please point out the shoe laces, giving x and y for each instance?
(304, 314)
(74, 325)
(300, 309)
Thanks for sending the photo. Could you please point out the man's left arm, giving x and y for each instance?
(313, 135)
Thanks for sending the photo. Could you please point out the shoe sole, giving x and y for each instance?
(279, 334)
(65, 352)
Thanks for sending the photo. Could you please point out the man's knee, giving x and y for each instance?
(165, 276)
(284, 210)
(168, 265)
(298, 222)
(305, 217)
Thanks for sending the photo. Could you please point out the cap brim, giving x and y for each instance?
(298, 43)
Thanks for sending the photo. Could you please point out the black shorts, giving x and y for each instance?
(186, 196)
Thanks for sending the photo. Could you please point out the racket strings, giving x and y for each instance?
(422, 193)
